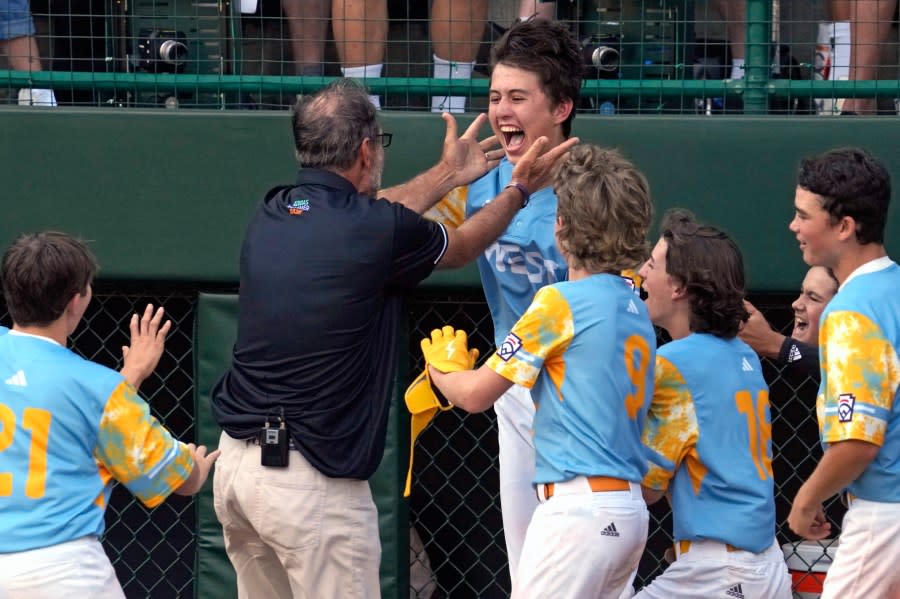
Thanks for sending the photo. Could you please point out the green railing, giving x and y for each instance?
(657, 40)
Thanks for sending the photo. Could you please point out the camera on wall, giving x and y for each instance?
(601, 56)
(161, 51)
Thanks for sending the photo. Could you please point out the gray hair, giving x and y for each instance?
(330, 125)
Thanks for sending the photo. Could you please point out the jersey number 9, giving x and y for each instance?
(637, 360)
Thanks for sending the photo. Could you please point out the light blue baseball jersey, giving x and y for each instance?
(708, 439)
(524, 258)
(859, 343)
(586, 349)
(67, 428)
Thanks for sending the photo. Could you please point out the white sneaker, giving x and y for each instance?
(37, 97)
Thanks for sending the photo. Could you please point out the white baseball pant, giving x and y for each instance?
(515, 417)
(865, 565)
(583, 545)
(712, 569)
(70, 570)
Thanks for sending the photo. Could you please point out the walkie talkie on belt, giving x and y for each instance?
(273, 443)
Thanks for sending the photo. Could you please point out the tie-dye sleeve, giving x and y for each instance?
(670, 428)
(138, 451)
(451, 209)
(543, 332)
(861, 375)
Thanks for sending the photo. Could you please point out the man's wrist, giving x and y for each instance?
(526, 195)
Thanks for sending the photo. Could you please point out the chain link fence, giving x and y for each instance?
(455, 505)
(151, 550)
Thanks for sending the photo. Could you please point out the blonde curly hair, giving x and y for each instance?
(603, 210)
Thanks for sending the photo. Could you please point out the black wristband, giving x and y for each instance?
(522, 189)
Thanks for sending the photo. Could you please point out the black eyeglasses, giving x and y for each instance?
(385, 139)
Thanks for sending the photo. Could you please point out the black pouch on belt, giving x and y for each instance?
(273, 444)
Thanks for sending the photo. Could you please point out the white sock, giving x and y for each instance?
(444, 69)
(840, 60)
(36, 97)
(836, 38)
(369, 71)
(737, 68)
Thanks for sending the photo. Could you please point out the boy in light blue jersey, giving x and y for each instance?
(536, 74)
(69, 426)
(841, 205)
(708, 430)
(585, 350)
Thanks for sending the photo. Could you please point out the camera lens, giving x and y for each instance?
(173, 52)
(605, 58)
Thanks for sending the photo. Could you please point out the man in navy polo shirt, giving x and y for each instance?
(324, 267)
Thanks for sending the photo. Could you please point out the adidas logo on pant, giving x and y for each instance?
(610, 531)
(736, 591)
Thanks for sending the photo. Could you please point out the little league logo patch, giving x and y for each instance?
(846, 401)
(509, 347)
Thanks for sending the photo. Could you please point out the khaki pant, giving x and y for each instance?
(293, 532)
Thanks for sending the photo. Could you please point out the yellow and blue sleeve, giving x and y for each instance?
(861, 375)
(451, 209)
(138, 451)
(670, 428)
(537, 340)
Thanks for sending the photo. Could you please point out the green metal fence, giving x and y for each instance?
(454, 507)
(673, 56)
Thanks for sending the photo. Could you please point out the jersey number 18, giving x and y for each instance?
(759, 429)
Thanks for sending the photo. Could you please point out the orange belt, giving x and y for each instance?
(682, 547)
(598, 484)
(847, 498)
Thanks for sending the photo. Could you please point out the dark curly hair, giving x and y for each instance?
(549, 50)
(710, 266)
(852, 183)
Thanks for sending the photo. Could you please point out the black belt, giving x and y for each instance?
(255, 441)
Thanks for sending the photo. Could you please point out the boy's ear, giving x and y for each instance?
(562, 110)
(847, 228)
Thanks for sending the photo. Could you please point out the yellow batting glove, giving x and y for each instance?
(423, 405)
(448, 350)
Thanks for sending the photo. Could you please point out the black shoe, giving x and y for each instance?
(849, 113)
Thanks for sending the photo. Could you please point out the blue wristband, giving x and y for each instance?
(522, 189)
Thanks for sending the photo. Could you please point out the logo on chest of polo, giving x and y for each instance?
(508, 257)
(298, 207)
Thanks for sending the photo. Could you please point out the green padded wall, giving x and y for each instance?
(214, 334)
(215, 330)
(165, 195)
